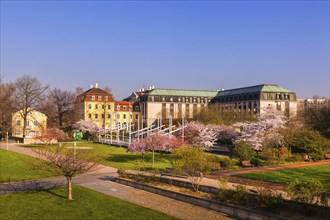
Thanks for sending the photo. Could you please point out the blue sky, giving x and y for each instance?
(170, 44)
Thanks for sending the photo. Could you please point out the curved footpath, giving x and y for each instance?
(100, 181)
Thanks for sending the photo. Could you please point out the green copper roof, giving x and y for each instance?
(179, 92)
(254, 89)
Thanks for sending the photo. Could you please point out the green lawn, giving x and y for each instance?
(321, 173)
(87, 204)
(118, 157)
(16, 167)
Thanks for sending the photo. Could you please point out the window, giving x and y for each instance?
(136, 108)
(102, 106)
(106, 98)
(131, 116)
(102, 115)
(89, 115)
(99, 98)
(136, 117)
(171, 99)
(109, 106)
(130, 108)
(96, 106)
(163, 99)
(89, 106)
(179, 99)
(28, 123)
(124, 116)
(118, 116)
(194, 100)
(118, 107)
(187, 99)
(109, 116)
(93, 98)
(18, 122)
(17, 133)
(277, 96)
(36, 123)
(96, 115)
(124, 107)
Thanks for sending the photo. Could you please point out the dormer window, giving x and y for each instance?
(163, 99)
(118, 107)
(99, 98)
(179, 99)
(171, 99)
(136, 108)
(124, 107)
(93, 98)
(106, 98)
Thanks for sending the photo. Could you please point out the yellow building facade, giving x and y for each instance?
(127, 113)
(36, 121)
(96, 105)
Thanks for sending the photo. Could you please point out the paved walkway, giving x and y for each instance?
(100, 181)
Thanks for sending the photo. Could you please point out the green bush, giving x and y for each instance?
(226, 163)
(295, 158)
(306, 190)
(242, 150)
(304, 141)
(258, 161)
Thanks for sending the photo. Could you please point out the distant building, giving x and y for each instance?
(172, 103)
(126, 113)
(303, 104)
(256, 99)
(35, 122)
(96, 105)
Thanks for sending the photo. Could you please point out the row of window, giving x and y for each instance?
(96, 106)
(28, 123)
(99, 98)
(176, 99)
(96, 116)
(124, 107)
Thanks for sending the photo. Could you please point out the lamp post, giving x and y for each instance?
(7, 140)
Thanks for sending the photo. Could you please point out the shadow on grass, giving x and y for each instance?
(52, 193)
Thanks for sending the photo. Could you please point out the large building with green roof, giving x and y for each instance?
(256, 99)
(159, 103)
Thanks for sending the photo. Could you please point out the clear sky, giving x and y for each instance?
(169, 44)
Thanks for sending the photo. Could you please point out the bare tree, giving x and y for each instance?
(29, 91)
(48, 135)
(68, 163)
(63, 100)
(6, 105)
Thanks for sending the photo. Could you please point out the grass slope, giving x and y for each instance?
(16, 167)
(321, 173)
(88, 204)
(118, 157)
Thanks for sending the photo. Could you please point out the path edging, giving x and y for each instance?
(231, 210)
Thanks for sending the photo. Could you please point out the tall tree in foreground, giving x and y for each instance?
(68, 163)
(6, 105)
(28, 93)
(63, 101)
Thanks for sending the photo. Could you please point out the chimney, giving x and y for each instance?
(96, 85)
(91, 86)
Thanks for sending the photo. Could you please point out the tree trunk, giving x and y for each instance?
(24, 125)
(153, 159)
(69, 188)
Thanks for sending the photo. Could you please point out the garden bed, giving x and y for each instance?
(243, 204)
